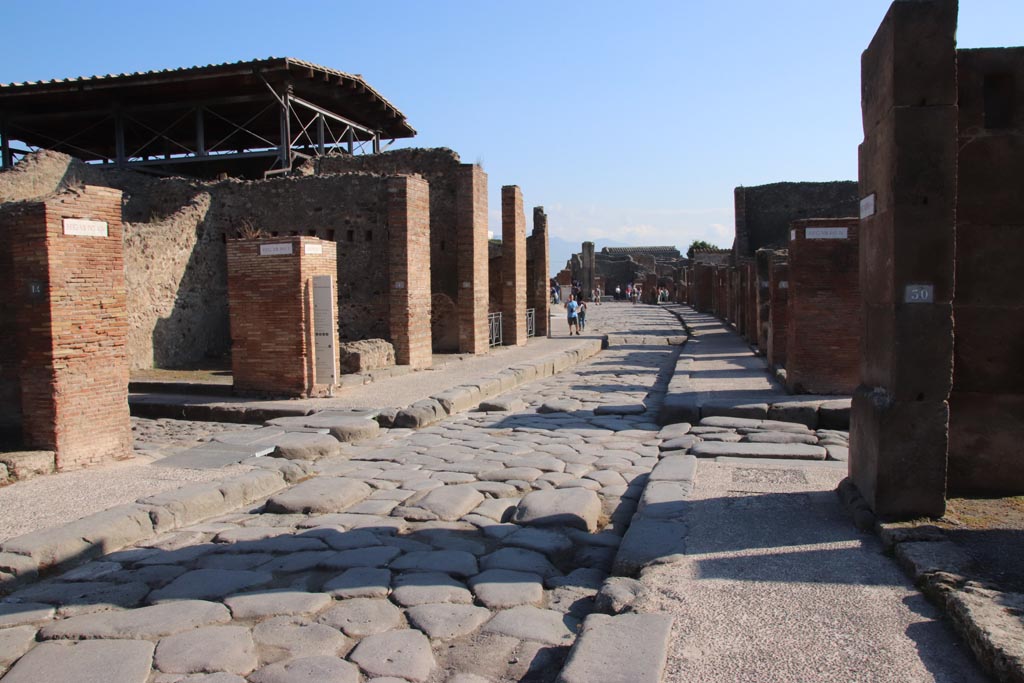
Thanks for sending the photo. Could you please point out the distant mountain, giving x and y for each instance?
(562, 250)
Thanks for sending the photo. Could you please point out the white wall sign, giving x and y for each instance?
(867, 206)
(792, 235)
(83, 227)
(313, 249)
(826, 233)
(919, 294)
(276, 249)
(784, 284)
(324, 301)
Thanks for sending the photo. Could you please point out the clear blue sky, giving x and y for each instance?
(627, 121)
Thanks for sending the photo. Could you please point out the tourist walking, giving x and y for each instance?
(572, 309)
(581, 316)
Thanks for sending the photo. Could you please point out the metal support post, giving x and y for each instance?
(200, 133)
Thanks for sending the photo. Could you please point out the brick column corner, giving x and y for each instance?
(471, 230)
(513, 256)
(409, 270)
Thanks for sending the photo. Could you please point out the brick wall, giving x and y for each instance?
(71, 319)
(762, 268)
(538, 262)
(750, 307)
(271, 303)
(764, 212)
(900, 414)
(409, 270)
(513, 275)
(986, 428)
(703, 287)
(472, 259)
(10, 385)
(824, 307)
(778, 318)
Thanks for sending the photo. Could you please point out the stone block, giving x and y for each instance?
(679, 408)
(794, 451)
(305, 446)
(627, 647)
(802, 412)
(87, 661)
(734, 408)
(186, 505)
(22, 465)
(834, 414)
(574, 507)
(647, 542)
(321, 495)
(365, 355)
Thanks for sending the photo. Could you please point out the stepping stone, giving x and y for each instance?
(674, 431)
(840, 453)
(759, 450)
(560, 405)
(505, 405)
(531, 623)
(209, 584)
(322, 669)
(743, 423)
(360, 582)
(87, 661)
(360, 617)
(451, 502)
(502, 588)
(319, 496)
(680, 443)
(419, 588)
(573, 507)
(263, 435)
(551, 543)
(781, 437)
(628, 647)
(674, 468)
(446, 622)
(16, 641)
(214, 456)
(306, 446)
(726, 408)
(723, 437)
(402, 654)
(144, 623)
(454, 562)
(375, 556)
(207, 650)
(275, 603)
(284, 638)
(625, 409)
(520, 560)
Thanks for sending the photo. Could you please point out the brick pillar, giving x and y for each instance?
(539, 248)
(587, 275)
(471, 231)
(778, 287)
(900, 415)
(703, 287)
(762, 268)
(513, 269)
(409, 270)
(987, 402)
(10, 383)
(72, 325)
(751, 302)
(270, 302)
(823, 344)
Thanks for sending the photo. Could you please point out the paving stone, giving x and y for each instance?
(376, 556)
(617, 594)
(305, 446)
(297, 562)
(561, 405)
(780, 437)
(418, 588)
(14, 642)
(674, 431)
(454, 562)
(88, 661)
(447, 621)
(803, 412)
(532, 623)
(520, 560)
(23, 613)
(746, 423)
(502, 588)
(590, 484)
(360, 617)
(360, 582)
(404, 654)
(273, 603)
(649, 541)
(622, 409)
(338, 539)
(283, 638)
(628, 647)
(510, 474)
(317, 669)
(508, 405)
(572, 507)
(320, 495)
(675, 468)
(605, 477)
(486, 655)
(207, 650)
(210, 584)
(144, 623)
(551, 543)
(451, 502)
(85, 596)
(544, 463)
(498, 509)
(834, 414)
(759, 450)
(680, 443)
(343, 427)
(723, 437)
(840, 453)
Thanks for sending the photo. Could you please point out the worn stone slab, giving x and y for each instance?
(451, 502)
(360, 582)
(617, 594)
(532, 623)
(214, 455)
(804, 412)
(795, 451)
(85, 595)
(420, 414)
(457, 399)
(23, 613)
(14, 642)
(527, 474)
(573, 507)
(186, 505)
(207, 650)
(317, 669)
(730, 408)
(519, 560)
(210, 584)
(263, 435)
(628, 647)
(503, 405)
(419, 588)
(23, 465)
(319, 496)
(840, 453)
(446, 622)
(360, 617)
(834, 414)
(454, 562)
(274, 603)
(781, 437)
(503, 588)
(674, 431)
(919, 558)
(647, 542)
(87, 661)
(403, 654)
(144, 623)
(552, 543)
(680, 443)
(665, 499)
(674, 468)
(560, 405)
(305, 446)
(282, 638)
(353, 429)
(745, 423)
(375, 556)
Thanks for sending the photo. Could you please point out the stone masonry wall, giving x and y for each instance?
(473, 271)
(270, 300)
(513, 271)
(764, 212)
(986, 428)
(824, 307)
(69, 297)
(409, 270)
(538, 267)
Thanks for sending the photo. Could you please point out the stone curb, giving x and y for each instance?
(986, 619)
(27, 557)
(462, 398)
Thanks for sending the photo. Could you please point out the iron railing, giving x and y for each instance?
(494, 324)
(531, 322)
